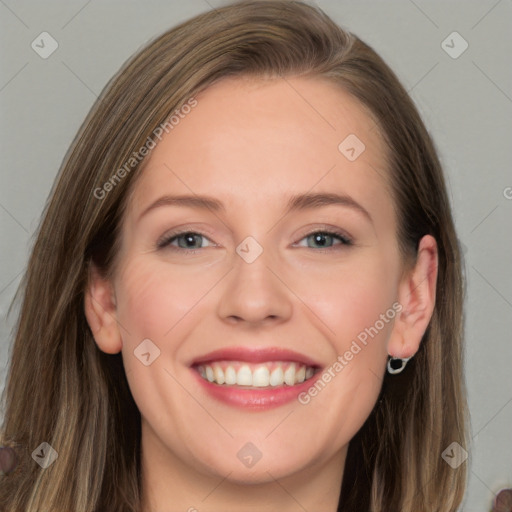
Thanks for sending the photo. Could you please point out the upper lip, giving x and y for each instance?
(255, 355)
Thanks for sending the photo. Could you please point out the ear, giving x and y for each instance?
(100, 311)
(417, 296)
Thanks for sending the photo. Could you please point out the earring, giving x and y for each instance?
(396, 364)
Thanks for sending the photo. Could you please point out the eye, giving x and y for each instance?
(191, 240)
(324, 239)
(186, 240)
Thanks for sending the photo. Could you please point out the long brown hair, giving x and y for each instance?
(63, 390)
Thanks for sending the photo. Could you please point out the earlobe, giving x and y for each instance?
(101, 314)
(417, 295)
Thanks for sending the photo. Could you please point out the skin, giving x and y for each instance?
(251, 144)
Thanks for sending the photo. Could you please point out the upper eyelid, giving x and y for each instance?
(204, 231)
(182, 231)
(345, 238)
(166, 239)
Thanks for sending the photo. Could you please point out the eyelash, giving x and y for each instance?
(165, 241)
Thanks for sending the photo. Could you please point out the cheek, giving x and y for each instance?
(351, 305)
(356, 303)
(352, 299)
(154, 297)
(153, 301)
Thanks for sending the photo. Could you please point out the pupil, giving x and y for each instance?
(189, 239)
(320, 239)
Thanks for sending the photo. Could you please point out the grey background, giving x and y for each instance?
(466, 103)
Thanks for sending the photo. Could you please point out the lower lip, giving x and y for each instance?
(258, 399)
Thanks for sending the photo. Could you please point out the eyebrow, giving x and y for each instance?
(295, 202)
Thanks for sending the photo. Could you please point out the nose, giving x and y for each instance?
(255, 293)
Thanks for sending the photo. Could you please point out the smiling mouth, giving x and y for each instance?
(241, 374)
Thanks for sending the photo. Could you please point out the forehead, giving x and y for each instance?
(253, 141)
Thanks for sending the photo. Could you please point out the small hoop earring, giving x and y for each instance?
(396, 364)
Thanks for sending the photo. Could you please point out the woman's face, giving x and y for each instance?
(252, 290)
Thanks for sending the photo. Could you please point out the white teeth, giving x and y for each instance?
(277, 377)
(209, 373)
(273, 373)
(261, 377)
(244, 376)
(289, 375)
(218, 374)
(230, 375)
